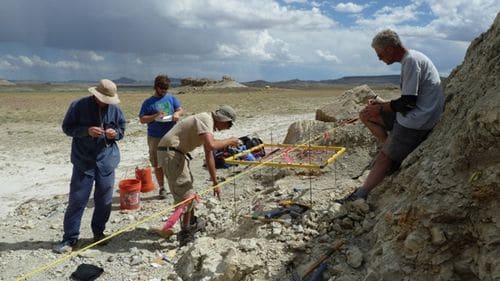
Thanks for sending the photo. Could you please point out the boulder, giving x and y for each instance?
(346, 106)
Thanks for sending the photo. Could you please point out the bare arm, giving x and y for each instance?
(209, 158)
(209, 145)
(179, 112)
(150, 118)
(212, 144)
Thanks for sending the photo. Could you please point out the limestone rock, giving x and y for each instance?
(346, 106)
(354, 257)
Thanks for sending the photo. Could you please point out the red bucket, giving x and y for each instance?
(144, 175)
(130, 194)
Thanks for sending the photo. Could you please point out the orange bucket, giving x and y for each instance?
(130, 194)
(144, 175)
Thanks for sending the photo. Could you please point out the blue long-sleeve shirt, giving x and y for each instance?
(88, 152)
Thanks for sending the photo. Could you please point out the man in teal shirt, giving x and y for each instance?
(160, 111)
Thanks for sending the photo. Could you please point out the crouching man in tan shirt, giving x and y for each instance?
(173, 156)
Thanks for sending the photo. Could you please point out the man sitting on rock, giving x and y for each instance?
(173, 155)
(409, 119)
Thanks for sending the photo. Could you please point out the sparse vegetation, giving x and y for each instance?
(49, 106)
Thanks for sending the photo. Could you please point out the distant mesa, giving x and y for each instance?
(124, 80)
(347, 80)
(6, 83)
(201, 82)
(225, 82)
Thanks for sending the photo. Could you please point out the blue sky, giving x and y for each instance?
(59, 40)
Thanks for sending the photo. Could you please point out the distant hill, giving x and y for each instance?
(348, 80)
(174, 82)
(390, 80)
(124, 80)
(382, 79)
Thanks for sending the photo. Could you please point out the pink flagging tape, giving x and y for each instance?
(178, 212)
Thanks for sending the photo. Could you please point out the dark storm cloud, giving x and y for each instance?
(116, 26)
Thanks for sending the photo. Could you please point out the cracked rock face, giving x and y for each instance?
(438, 218)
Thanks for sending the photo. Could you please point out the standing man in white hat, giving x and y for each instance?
(95, 123)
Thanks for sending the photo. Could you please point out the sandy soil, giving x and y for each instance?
(37, 161)
(34, 194)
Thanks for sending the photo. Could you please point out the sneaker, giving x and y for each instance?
(351, 198)
(98, 238)
(65, 246)
(185, 236)
(163, 193)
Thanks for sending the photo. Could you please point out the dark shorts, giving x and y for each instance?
(389, 118)
(402, 141)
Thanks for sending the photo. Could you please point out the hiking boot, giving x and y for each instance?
(185, 236)
(65, 246)
(99, 238)
(351, 197)
(165, 234)
(162, 193)
(197, 225)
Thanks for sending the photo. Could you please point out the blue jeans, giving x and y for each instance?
(79, 193)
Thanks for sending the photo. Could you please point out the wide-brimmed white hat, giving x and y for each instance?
(106, 92)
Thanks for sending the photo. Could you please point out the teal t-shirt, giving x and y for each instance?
(167, 104)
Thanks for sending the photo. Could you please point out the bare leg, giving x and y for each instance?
(375, 125)
(159, 177)
(377, 173)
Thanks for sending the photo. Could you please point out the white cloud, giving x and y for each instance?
(67, 64)
(349, 7)
(5, 64)
(81, 55)
(326, 55)
(95, 57)
(256, 46)
(25, 60)
(463, 19)
(389, 17)
(454, 19)
(245, 15)
(227, 51)
(36, 61)
(294, 1)
(261, 46)
(267, 48)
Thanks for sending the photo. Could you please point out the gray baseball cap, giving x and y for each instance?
(225, 113)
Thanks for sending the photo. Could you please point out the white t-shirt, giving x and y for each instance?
(419, 77)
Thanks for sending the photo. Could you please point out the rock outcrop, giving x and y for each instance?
(438, 218)
(346, 106)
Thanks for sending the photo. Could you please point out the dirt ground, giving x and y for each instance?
(36, 173)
